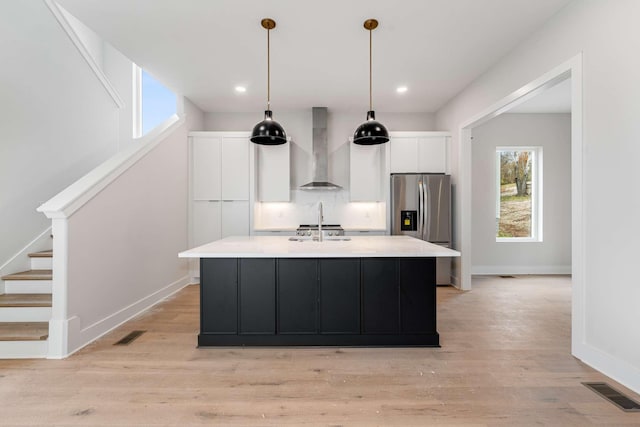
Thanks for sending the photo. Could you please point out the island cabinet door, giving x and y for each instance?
(418, 295)
(297, 296)
(257, 296)
(340, 296)
(380, 296)
(219, 297)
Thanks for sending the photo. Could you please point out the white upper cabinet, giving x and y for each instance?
(432, 154)
(205, 171)
(404, 154)
(235, 168)
(419, 152)
(273, 172)
(366, 171)
(220, 168)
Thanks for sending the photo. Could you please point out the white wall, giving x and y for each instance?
(57, 121)
(607, 34)
(123, 244)
(340, 127)
(552, 132)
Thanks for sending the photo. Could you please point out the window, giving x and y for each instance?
(519, 194)
(154, 102)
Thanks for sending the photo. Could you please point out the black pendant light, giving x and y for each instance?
(268, 131)
(371, 132)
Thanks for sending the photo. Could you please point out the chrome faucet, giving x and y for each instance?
(320, 218)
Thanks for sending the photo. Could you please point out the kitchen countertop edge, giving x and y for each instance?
(282, 247)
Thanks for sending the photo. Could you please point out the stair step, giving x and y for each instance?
(28, 286)
(24, 331)
(24, 349)
(42, 254)
(41, 260)
(25, 300)
(30, 275)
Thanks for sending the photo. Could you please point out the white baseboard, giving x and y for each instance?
(455, 281)
(497, 270)
(78, 338)
(618, 370)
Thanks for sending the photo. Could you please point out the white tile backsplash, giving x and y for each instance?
(303, 209)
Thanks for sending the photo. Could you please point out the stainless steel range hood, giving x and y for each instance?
(320, 149)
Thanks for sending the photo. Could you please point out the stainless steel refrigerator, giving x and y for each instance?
(421, 208)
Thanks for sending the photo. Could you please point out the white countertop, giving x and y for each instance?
(282, 247)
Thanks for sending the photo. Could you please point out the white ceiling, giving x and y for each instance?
(556, 99)
(319, 49)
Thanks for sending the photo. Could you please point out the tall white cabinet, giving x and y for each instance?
(219, 185)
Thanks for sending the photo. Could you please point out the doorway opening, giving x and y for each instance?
(570, 71)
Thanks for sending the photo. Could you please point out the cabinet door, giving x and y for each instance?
(418, 295)
(380, 299)
(206, 222)
(297, 296)
(365, 172)
(235, 219)
(273, 173)
(257, 296)
(219, 298)
(404, 153)
(432, 154)
(235, 168)
(205, 174)
(340, 296)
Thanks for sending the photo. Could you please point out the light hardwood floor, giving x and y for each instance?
(504, 361)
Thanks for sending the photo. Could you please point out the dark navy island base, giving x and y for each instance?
(318, 301)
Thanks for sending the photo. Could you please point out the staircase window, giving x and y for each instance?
(154, 102)
(518, 194)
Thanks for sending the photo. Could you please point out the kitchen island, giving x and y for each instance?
(360, 291)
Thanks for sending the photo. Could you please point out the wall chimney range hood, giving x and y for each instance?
(320, 149)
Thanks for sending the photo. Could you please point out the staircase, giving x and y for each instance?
(25, 309)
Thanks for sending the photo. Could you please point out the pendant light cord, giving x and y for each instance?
(370, 75)
(268, 70)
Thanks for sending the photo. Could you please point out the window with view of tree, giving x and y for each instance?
(518, 198)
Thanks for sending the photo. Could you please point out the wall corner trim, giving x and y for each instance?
(84, 52)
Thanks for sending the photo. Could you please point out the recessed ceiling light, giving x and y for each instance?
(241, 89)
(402, 89)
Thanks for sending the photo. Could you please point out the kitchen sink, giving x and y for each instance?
(315, 239)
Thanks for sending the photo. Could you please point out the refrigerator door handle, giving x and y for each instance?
(425, 210)
(420, 209)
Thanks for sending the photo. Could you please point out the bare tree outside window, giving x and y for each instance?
(515, 212)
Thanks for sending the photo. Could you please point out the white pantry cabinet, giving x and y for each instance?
(419, 152)
(205, 168)
(206, 221)
(366, 172)
(219, 185)
(235, 168)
